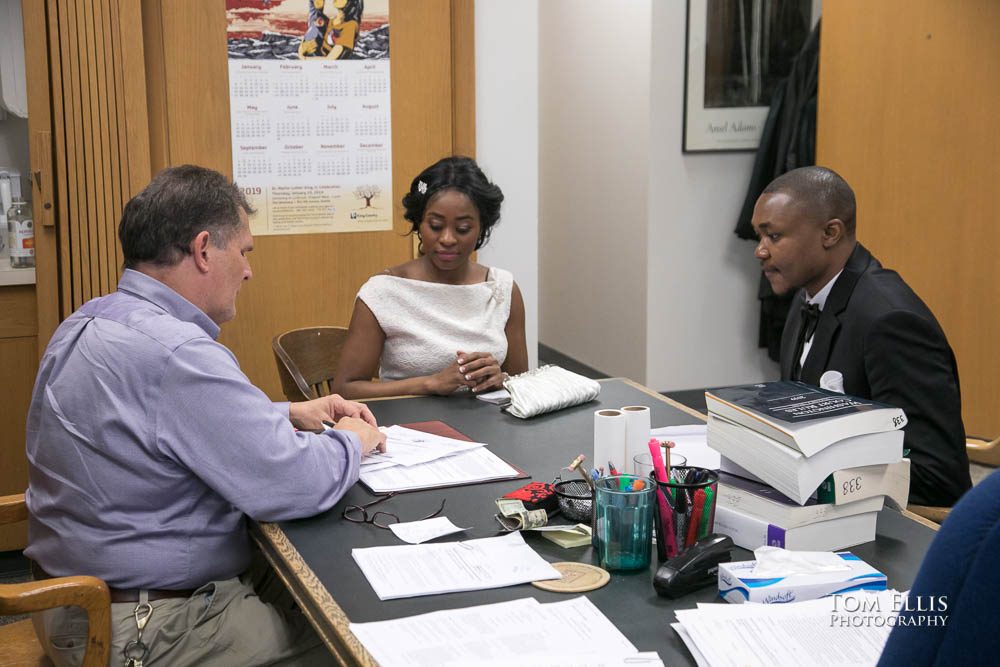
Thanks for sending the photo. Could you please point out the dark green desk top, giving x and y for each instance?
(540, 446)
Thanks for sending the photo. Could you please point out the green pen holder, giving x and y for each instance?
(685, 509)
(623, 522)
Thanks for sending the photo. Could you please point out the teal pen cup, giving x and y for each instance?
(623, 519)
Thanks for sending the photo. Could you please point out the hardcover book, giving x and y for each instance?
(852, 484)
(801, 416)
(789, 470)
(750, 532)
(767, 503)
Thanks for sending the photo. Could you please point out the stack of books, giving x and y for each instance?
(802, 467)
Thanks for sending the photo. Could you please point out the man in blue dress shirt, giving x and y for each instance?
(148, 447)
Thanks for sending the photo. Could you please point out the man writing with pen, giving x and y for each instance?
(148, 448)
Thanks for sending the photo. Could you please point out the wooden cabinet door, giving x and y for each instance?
(89, 144)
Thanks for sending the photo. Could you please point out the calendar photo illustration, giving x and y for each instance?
(310, 114)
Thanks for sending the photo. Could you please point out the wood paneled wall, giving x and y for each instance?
(305, 280)
(118, 89)
(908, 99)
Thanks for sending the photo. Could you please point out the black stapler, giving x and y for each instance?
(695, 568)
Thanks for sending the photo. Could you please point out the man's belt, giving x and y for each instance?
(122, 594)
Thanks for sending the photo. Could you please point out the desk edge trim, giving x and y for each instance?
(669, 401)
(316, 602)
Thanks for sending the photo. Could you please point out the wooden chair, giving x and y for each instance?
(980, 451)
(18, 644)
(307, 359)
(935, 514)
(983, 451)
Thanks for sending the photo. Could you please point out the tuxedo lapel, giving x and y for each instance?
(829, 319)
(789, 335)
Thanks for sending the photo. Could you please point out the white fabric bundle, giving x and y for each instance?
(547, 389)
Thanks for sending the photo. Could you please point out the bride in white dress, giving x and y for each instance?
(441, 322)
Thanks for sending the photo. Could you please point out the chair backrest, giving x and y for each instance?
(983, 451)
(18, 639)
(307, 360)
(930, 512)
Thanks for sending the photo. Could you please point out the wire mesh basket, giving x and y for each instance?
(576, 502)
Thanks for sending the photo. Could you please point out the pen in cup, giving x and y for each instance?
(576, 465)
(698, 503)
(660, 471)
(706, 516)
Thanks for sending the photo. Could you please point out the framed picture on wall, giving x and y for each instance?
(736, 53)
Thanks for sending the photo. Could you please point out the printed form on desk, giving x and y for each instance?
(522, 632)
(816, 632)
(409, 447)
(474, 465)
(418, 460)
(429, 569)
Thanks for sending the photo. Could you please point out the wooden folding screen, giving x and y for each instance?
(100, 137)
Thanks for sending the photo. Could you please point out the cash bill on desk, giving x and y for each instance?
(514, 516)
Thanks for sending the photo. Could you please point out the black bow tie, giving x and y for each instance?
(810, 316)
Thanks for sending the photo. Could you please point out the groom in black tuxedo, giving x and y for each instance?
(857, 323)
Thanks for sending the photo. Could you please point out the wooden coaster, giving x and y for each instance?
(576, 578)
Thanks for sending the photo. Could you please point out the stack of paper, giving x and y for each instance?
(409, 447)
(817, 632)
(522, 632)
(418, 460)
(428, 569)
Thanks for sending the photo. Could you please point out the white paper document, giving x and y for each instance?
(429, 569)
(567, 658)
(816, 632)
(522, 632)
(407, 447)
(691, 442)
(416, 532)
(474, 465)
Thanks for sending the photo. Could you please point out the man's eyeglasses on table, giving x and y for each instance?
(380, 519)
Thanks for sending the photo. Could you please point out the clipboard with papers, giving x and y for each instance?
(432, 455)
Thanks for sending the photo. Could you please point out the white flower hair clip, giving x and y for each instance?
(421, 187)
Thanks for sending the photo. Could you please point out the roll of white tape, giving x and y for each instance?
(609, 440)
(637, 428)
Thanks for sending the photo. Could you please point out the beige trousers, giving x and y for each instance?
(238, 622)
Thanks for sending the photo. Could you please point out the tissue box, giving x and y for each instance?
(737, 583)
